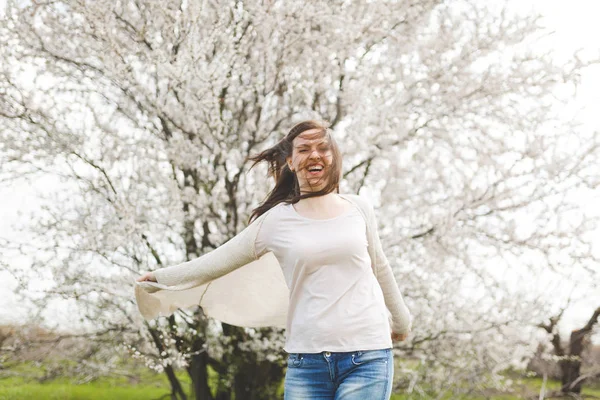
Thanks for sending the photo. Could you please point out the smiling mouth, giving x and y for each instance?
(315, 172)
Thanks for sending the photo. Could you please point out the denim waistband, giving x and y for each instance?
(333, 355)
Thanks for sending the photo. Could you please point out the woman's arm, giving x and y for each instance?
(238, 251)
(401, 319)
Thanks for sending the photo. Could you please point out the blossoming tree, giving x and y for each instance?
(147, 110)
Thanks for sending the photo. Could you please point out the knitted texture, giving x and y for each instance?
(255, 295)
(401, 319)
(235, 253)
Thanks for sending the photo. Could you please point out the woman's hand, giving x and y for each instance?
(149, 276)
(399, 337)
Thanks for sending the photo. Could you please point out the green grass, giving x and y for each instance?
(592, 390)
(143, 384)
(146, 385)
(89, 391)
(522, 388)
(118, 388)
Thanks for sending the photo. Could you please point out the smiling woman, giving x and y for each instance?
(338, 285)
(312, 155)
(294, 164)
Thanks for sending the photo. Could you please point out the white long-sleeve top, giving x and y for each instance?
(327, 281)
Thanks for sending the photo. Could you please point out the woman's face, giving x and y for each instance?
(310, 160)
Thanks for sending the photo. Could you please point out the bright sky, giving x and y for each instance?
(575, 25)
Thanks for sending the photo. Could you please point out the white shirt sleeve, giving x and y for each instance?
(401, 318)
(235, 253)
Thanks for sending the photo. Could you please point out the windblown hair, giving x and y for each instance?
(286, 187)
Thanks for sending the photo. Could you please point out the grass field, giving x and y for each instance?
(12, 389)
(140, 384)
(147, 385)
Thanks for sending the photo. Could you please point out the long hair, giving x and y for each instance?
(286, 187)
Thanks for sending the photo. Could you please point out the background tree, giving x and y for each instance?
(570, 358)
(145, 113)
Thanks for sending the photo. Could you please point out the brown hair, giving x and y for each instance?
(286, 187)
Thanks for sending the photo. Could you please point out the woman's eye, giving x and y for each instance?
(301, 151)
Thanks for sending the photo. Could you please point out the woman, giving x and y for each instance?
(338, 334)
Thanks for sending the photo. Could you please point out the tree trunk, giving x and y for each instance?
(571, 367)
(245, 374)
(223, 394)
(258, 381)
(197, 367)
(177, 392)
(223, 389)
(199, 374)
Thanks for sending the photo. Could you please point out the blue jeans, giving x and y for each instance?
(359, 375)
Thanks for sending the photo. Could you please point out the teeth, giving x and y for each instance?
(315, 168)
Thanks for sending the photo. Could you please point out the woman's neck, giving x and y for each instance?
(317, 202)
(322, 207)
